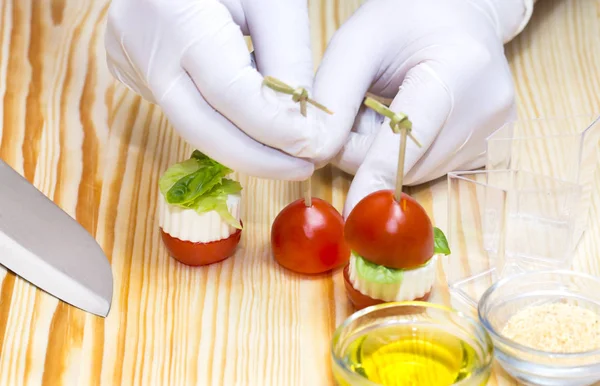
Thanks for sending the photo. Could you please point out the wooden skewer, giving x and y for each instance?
(308, 182)
(399, 124)
(401, 158)
(298, 95)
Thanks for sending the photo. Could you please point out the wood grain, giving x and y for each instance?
(97, 150)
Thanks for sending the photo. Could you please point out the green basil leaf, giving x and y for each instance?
(194, 185)
(216, 200)
(198, 183)
(219, 205)
(197, 154)
(377, 273)
(180, 190)
(177, 172)
(440, 243)
(227, 187)
(204, 160)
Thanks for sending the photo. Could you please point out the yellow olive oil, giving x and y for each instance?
(400, 355)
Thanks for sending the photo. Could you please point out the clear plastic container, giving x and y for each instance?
(566, 149)
(528, 210)
(503, 222)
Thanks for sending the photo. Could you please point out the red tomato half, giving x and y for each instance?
(390, 233)
(196, 254)
(360, 300)
(309, 240)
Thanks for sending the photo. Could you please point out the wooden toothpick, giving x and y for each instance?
(300, 95)
(400, 124)
(308, 182)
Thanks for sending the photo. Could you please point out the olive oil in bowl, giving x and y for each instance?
(430, 348)
(407, 356)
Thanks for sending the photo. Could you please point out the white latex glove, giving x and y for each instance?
(190, 58)
(442, 63)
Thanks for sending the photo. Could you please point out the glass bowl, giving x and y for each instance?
(536, 363)
(417, 343)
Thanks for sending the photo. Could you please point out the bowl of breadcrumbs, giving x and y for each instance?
(545, 326)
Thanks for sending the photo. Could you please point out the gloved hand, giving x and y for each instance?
(190, 58)
(442, 63)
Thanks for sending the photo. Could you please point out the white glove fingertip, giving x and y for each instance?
(208, 131)
(232, 87)
(130, 82)
(281, 37)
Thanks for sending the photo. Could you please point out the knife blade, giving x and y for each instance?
(45, 246)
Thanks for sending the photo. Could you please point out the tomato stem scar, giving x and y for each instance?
(399, 123)
(299, 94)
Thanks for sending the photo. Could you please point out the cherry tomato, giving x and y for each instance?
(360, 300)
(195, 254)
(390, 233)
(309, 240)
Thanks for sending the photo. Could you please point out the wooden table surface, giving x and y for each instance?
(97, 150)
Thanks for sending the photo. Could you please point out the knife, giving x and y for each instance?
(45, 246)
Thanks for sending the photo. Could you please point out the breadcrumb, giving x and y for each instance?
(556, 328)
